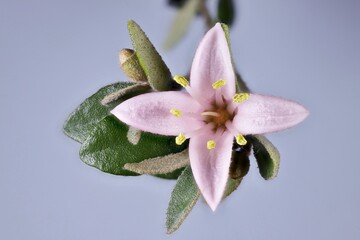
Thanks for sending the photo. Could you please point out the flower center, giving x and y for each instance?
(218, 116)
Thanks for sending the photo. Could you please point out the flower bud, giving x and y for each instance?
(131, 66)
(240, 162)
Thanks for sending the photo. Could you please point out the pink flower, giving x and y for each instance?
(211, 114)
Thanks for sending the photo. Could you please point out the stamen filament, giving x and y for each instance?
(219, 98)
(211, 144)
(176, 112)
(181, 81)
(180, 139)
(214, 114)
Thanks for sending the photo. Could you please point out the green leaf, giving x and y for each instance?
(108, 149)
(183, 199)
(241, 86)
(226, 11)
(160, 165)
(267, 156)
(231, 186)
(80, 122)
(181, 23)
(227, 34)
(157, 72)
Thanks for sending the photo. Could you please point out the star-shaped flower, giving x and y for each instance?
(211, 114)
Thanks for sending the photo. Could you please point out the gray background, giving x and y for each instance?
(56, 53)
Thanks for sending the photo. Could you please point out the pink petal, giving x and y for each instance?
(211, 167)
(151, 113)
(263, 114)
(211, 63)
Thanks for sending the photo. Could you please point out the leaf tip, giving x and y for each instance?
(128, 167)
(131, 22)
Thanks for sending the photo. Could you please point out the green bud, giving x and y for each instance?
(130, 64)
(240, 162)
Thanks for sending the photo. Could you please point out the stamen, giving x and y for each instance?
(214, 114)
(180, 139)
(181, 80)
(219, 98)
(176, 112)
(219, 84)
(211, 144)
(240, 97)
(240, 140)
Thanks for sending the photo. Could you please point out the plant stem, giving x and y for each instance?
(205, 13)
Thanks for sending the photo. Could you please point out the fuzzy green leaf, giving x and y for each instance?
(157, 72)
(226, 11)
(241, 86)
(133, 135)
(183, 198)
(108, 149)
(82, 121)
(181, 23)
(227, 35)
(231, 186)
(267, 156)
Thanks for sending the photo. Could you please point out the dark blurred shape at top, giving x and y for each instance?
(226, 11)
(176, 3)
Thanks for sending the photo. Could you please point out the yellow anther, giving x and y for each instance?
(180, 139)
(211, 144)
(218, 84)
(240, 139)
(240, 97)
(181, 80)
(176, 112)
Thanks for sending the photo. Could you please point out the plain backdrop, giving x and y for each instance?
(54, 54)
